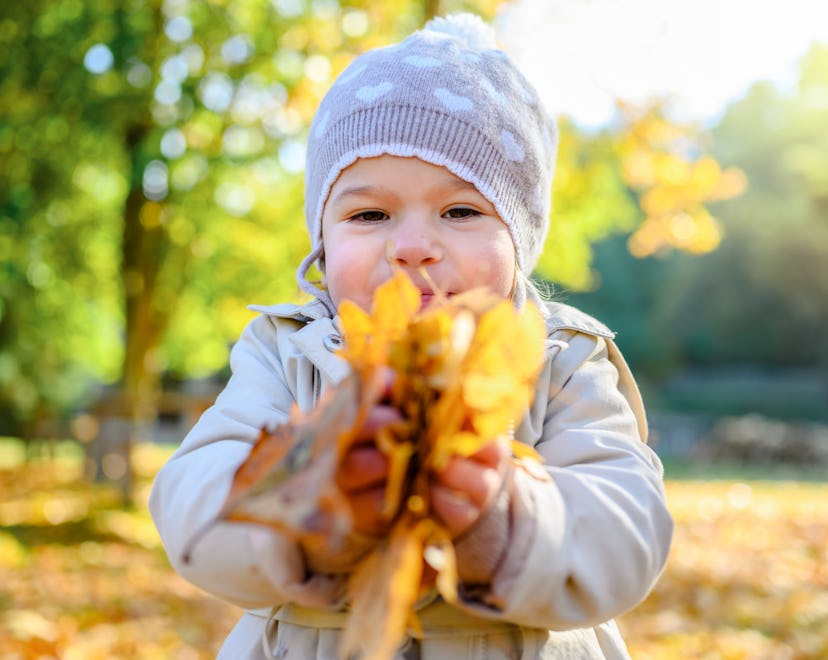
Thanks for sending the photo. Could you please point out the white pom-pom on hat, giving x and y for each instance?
(468, 28)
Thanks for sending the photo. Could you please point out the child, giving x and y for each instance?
(433, 154)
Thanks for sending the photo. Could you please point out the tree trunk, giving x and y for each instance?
(143, 251)
(136, 403)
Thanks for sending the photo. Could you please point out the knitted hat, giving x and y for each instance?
(448, 96)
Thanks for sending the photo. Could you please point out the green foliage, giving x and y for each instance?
(591, 201)
(626, 296)
(58, 219)
(763, 297)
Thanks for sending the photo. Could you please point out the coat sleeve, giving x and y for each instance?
(588, 543)
(233, 561)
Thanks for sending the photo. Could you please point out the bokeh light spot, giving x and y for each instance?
(98, 59)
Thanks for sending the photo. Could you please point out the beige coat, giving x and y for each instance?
(586, 545)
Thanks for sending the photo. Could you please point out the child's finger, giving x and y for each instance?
(364, 466)
(492, 454)
(456, 510)
(366, 508)
(385, 376)
(377, 418)
(477, 481)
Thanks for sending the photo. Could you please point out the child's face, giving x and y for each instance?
(390, 210)
(404, 211)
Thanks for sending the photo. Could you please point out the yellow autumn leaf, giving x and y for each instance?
(704, 177)
(382, 592)
(673, 188)
(439, 554)
(394, 304)
(399, 456)
(523, 451)
(722, 557)
(461, 443)
(732, 183)
(482, 392)
(464, 376)
(491, 424)
(370, 335)
(515, 353)
(356, 324)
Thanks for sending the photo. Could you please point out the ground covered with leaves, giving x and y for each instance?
(747, 577)
(82, 578)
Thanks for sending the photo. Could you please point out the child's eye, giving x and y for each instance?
(461, 212)
(368, 217)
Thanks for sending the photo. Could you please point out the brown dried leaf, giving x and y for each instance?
(383, 590)
(288, 480)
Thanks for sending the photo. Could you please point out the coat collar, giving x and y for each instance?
(558, 316)
(318, 339)
(310, 311)
(565, 317)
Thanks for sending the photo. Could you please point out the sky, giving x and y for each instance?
(581, 54)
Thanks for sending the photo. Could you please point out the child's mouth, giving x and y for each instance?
(427, 297)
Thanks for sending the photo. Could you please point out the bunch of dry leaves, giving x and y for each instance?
(464, 372)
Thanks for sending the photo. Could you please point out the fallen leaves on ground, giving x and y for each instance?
(83, 579)
(747, 577)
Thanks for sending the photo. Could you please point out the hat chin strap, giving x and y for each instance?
(309, 287)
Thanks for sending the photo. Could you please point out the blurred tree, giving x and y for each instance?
(58, 284)
(763, 296)
(626, 295)
(676, 179)
(646, 176)
(590, 202)
(150, 181)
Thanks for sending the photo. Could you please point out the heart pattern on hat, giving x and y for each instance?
(423, 62)
(511, 149)
(370, 93)
(453, 102)
(496, 96)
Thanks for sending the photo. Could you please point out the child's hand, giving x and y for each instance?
(468, 486)
(362, 477)
(363, 474)
(461, 494)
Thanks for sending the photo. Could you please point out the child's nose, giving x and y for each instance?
(414, 244)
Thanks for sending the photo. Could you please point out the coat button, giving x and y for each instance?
(332, 342)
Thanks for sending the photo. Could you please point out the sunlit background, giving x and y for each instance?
(151, 161)
(700, 55)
